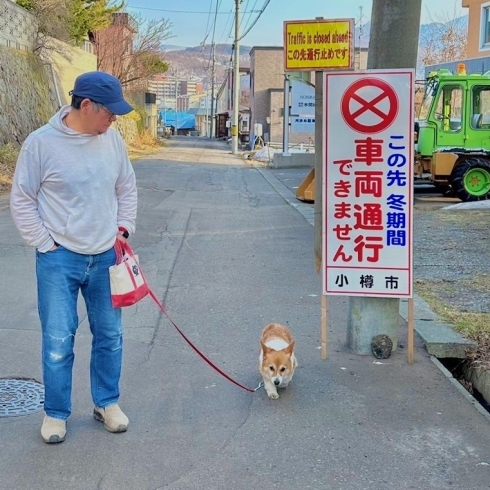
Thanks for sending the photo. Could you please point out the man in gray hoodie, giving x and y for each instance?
(73, 195)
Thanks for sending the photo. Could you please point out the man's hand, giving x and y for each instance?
(121, 238)
(53, 248)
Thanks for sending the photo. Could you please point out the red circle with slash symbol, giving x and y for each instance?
(369, 105)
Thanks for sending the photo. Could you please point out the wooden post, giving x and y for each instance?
(324, 327)
(410, 340)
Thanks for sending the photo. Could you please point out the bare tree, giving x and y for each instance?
(131, 48)
(446, 40)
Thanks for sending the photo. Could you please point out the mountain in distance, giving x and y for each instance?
(196, 61)
(172, 47)
(427, 31)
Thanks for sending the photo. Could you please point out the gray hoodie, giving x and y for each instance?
(72, 188)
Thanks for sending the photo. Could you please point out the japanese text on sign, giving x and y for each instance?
(318, 44)
(368, 184)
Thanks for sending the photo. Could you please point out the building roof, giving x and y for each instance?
(266, 48)
(199, 111)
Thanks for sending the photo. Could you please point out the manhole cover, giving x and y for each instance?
(20, 397)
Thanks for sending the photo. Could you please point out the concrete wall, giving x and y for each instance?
(27, 95)
(68, 62)
(18, 28)
(266, 72)
(295, 160)
(267, 95)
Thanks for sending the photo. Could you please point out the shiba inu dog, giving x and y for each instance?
(277, 360)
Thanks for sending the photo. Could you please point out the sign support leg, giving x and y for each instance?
(324, 327)
(410, 331)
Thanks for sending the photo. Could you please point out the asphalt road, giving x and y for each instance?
(227, 255)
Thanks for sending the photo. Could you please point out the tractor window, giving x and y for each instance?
(430, 92)
(449, 108)
(481, 107)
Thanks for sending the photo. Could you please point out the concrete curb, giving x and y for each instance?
(469, 397)
(440, 339)
(307, 211)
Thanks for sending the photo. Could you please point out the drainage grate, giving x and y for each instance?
(20, 397)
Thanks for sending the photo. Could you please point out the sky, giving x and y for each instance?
(192, 22)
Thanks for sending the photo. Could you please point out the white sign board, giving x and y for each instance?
(302, 98)
(302, 124)
(368, 183)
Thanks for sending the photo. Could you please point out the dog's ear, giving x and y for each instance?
(290, 348)
(264, 347)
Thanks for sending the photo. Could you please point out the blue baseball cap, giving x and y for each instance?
(104, 89)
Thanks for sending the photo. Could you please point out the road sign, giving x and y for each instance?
(302, 107)
(316, 45)
(368, 183)
(372, 100)
(302, 98)
(302, 124)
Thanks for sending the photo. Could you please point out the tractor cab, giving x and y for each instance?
(453, 133)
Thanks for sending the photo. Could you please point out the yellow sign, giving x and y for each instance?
(319, 45)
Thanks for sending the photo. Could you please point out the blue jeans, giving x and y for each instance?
(61, 274)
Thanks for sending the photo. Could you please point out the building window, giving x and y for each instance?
(485, 25)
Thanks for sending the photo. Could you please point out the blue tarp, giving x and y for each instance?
(184, 120)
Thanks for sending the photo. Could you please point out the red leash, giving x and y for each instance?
(216, 368)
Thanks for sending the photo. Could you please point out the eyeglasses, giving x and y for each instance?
(111, 114)
(104, 108)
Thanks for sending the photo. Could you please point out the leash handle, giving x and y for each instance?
(216, 368)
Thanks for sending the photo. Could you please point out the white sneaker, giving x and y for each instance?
(53, 430)
(113, 418)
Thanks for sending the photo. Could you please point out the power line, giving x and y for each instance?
(249, 15)
(256, 19)
(207, 23)
(182, 11)
(230, 16)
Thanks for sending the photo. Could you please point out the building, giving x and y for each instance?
(478, 28)
(114, 46)
(191, 87)
(167, 90)
(478, 47)
(267, 93)
(224, 105)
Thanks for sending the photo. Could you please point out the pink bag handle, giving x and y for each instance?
(122, 248)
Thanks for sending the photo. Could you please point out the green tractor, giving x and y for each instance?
(452, 134)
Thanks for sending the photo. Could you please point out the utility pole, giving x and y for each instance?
(236, 81)
(360, 37)
(207, 112)
(212, 88)
(176, 108)
(395, 26)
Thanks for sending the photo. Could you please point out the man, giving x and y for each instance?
(73, 195)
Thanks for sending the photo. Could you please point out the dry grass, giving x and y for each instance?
(475, 326)
(8, 159)
(144, 145)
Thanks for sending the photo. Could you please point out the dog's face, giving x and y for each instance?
(278, 366)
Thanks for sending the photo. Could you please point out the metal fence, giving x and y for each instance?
(18, 27)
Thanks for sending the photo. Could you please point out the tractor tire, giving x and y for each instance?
(470, 179)
(444, 189)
